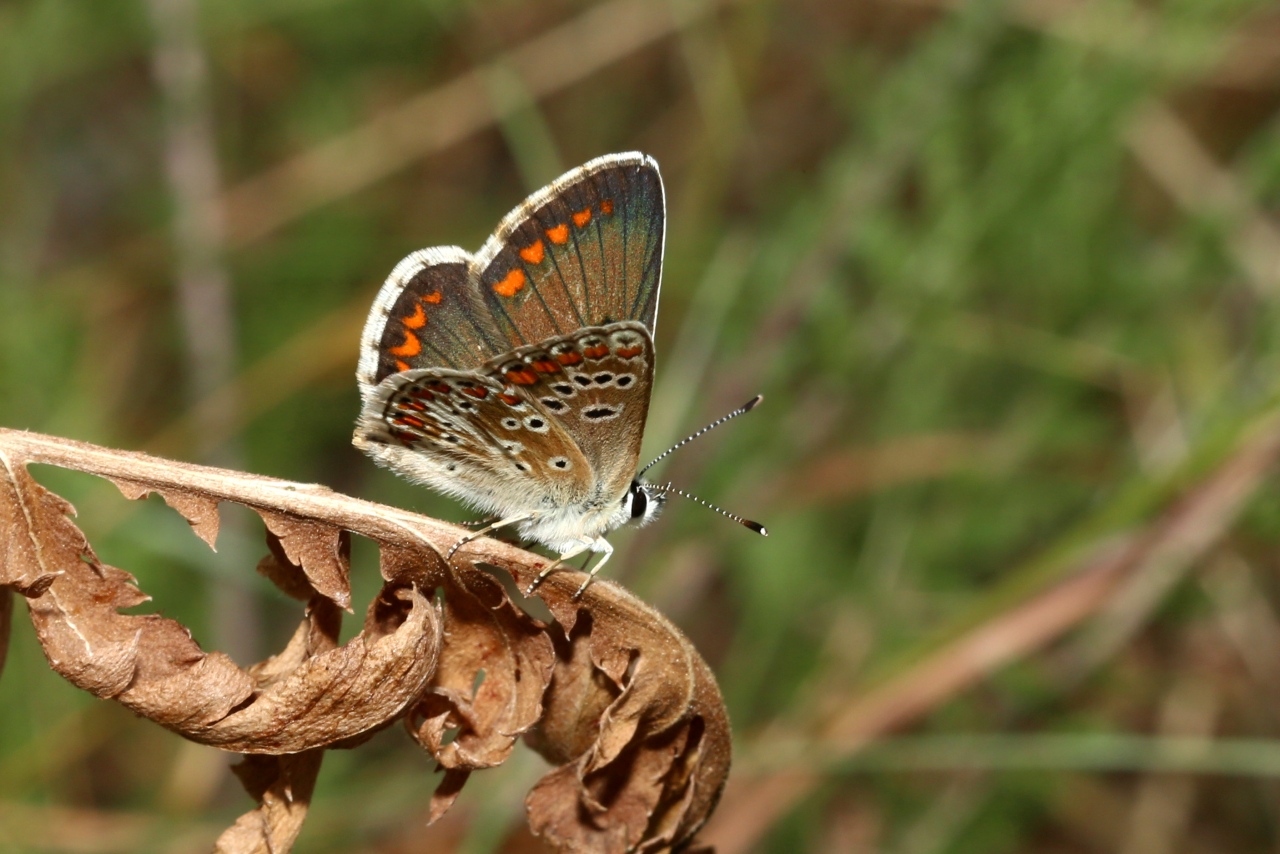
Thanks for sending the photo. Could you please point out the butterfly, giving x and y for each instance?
(518, 379)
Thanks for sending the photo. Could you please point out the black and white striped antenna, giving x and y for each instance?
(746, 523)
(671, 488)
(741, 410)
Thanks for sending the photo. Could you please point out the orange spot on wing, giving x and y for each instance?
(434, 297)
(410, 421)
(559, 234)
(606, 207)
(582, 217)
(597, 352)
(522, 376)
(478, 392)
(421, 394)
(402, 365)
(418, 320)
(414, 406)
(545, 366)
(569, 358)
(438, 387)
(411, 346)
(628, 352)
(533, 253)
(509, 399)
(511, 283)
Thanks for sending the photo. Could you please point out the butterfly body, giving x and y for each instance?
(517, 380)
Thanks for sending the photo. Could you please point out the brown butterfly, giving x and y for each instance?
(518, 379)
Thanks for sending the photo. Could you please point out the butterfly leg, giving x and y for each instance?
(475, 535)
(602, 545)
(583, 545)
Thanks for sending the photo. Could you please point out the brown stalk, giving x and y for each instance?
(611, 693)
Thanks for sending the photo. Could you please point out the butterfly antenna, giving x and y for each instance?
(741, 410)
(746, 523)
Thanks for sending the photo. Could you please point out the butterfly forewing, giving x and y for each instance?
(584, 251)
(429, 314)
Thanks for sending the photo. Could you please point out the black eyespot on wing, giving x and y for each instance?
(595, 413)
(603, 379)
(554, 405)
(582, 380)
(623, 381)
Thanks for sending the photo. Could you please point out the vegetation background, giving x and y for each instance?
(1008, 274)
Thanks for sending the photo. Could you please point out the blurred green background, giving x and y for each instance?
(1008, 275)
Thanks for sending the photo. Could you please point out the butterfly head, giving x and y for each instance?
(643, 502)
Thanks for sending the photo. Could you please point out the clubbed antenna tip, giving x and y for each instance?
(746, 523)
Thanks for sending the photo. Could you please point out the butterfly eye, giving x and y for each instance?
(639, 501)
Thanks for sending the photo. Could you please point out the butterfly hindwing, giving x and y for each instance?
(594, 383)
(473, 437)
(584, 251)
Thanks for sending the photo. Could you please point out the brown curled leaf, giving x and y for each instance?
(200, 511)
(611, 693)
(292, 702)
(489, 683)
(633, 717)
(148, 663)
(282, 786)
(322, 551)
(487, 690)
(331, 695)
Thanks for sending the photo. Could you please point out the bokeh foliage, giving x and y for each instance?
(1006, 274)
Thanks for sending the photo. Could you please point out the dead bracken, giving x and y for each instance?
(610, 692)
